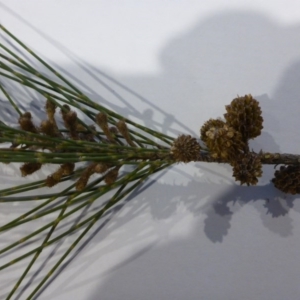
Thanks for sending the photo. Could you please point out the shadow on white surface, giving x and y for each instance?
(225, 54)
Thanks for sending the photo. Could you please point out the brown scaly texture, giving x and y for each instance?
(287, 179)
(244, 115)
(48, 127)
(112, 175)
(50, 107)
(26, 123)
(70, 121)
(102, 121)
(87, 136)
(217, 123)
(85, 176)
(247, 168)
(185, 149)
(55, 178)
(224, 142)
(29, 168)
(122, 127)
(101, 168)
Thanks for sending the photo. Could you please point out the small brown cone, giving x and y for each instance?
(49, 128)
(217, 123)
(26, 123)
(247, 168)
(68, 168)
(50, 109)
(112, 175)
(102, 121)
(287, 179)
(29, 168)
(185, 149)
(101, 168)
(55, 178)
(244, 115)
(224, 142)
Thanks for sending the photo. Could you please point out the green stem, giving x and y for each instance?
(85, 99)
(104, 189)
(10, 100)
(115, 199)
(73, 196)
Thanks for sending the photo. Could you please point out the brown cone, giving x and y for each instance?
(224, 142)
(287, 179)
(185, 149)
(244, 115)
(217, 123)
(247, 168)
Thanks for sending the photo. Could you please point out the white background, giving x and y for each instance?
(194, 233)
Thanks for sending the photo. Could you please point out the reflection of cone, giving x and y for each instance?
(287, 179)
(185, 149)
(244, 115)
(247, 168)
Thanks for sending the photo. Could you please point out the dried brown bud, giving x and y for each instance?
(85, 176)
(185, 149)
(49, 128)
(65, 108)
(122, 127)
(113, 130)
(244, 115)
(70, 121)
(26, 123)
(112, 175)
(50, 109)
(57, 175)
(102, 121)
(67, 168)
(50, 182)
(101, 168)
(287, 179)
(55, 178)
(247, 168)
(224, 142)
(29, 168)
(27, 114)
(216, 123)
(86, 135)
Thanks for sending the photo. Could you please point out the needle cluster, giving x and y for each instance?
(90, 157)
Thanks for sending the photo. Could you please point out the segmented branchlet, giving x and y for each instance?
(90, 155)
(73, 130)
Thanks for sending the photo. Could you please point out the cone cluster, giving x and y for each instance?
(228, 140)
(76, 131)
(224, 141)
(287, 179)
(244, 115)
